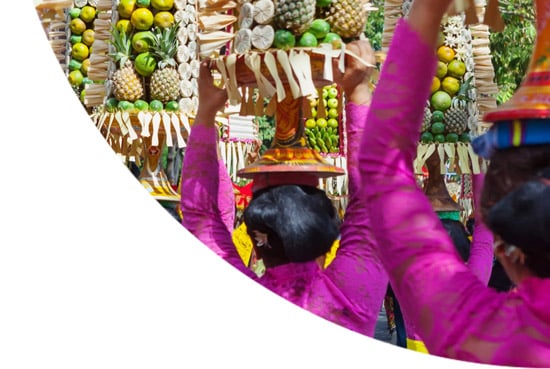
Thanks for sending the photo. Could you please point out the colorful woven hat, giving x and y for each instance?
(289, 160)
(525, 118)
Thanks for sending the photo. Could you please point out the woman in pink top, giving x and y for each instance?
(454, 312)
(292, 223)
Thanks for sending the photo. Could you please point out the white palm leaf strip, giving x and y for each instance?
(302, 68)
(145, 119)
(450, 150)
(221, 6)
(120, 123)
(240, 153)
(220, 64)
(474, 160)
(184, 119)
(271, 64)
(176, 124)
(156, 127)
(442, 159)
(132, 135)
(210, 42)
(253, 62)
(329, 53)
(284, 61)
(233, 161)
(166, 123)
(213, 22)
(463, 159)
(221, 145)
(233, 92)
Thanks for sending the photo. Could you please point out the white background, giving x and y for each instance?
(95, 274)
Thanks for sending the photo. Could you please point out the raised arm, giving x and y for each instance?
(357, 269)
(425, 271)
(207, 199)
(480, 261)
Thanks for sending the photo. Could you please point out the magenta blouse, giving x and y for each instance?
(453, 310)
(349, 292)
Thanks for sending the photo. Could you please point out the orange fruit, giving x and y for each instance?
(164, 19)
(441, 70)
(124, 25)
(436, 84)
(77, 26)
(80, 51)
(125, 8)
(85, 66)
(457, 68)
(142, 19)
(76, 78)
(445, 54)
(87, 13)
(162, 4)
(145, 64)
(451, 85)
(88, 37)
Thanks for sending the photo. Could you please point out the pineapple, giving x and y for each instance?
(127, 84)
(456, 117)
(165, 80)
(427, 119)
(347, 18)
(295, 16)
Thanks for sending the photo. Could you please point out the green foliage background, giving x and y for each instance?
(512, 48)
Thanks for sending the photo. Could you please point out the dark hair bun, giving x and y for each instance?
(522, 218)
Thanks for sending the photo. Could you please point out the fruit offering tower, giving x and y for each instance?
(462, 91)
(274, 52)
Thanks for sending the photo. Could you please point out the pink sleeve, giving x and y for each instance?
(207, 199)
(434, 287)
(480, 261)
(357, 270)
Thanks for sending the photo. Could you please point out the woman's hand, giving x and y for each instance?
(211, 98)
(355, 81)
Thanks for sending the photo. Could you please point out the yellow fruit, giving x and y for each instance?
(124, 25)
(164, 19)
(142, 19)
(441, 70)
(450, 85)
(445, 54)
(77, 26)
(87, 13)
(436, 84)
(125, 8)
(80, 51)
(457, 68)
(162, 4)
(85, 66)
(88, 37)
(76, 78)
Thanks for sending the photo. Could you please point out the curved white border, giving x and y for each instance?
(95, 274)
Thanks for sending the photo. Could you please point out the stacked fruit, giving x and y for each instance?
(145, 44)
(323, 128)
(447, 114)
(82, 35)
(285, 24)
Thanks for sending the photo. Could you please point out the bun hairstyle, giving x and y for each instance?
(301, 222)
(522, 219)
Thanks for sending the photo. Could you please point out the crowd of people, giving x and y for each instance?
(390, 234)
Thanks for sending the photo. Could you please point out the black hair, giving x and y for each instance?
(522, 219)
(459, 235)
(301, 222)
